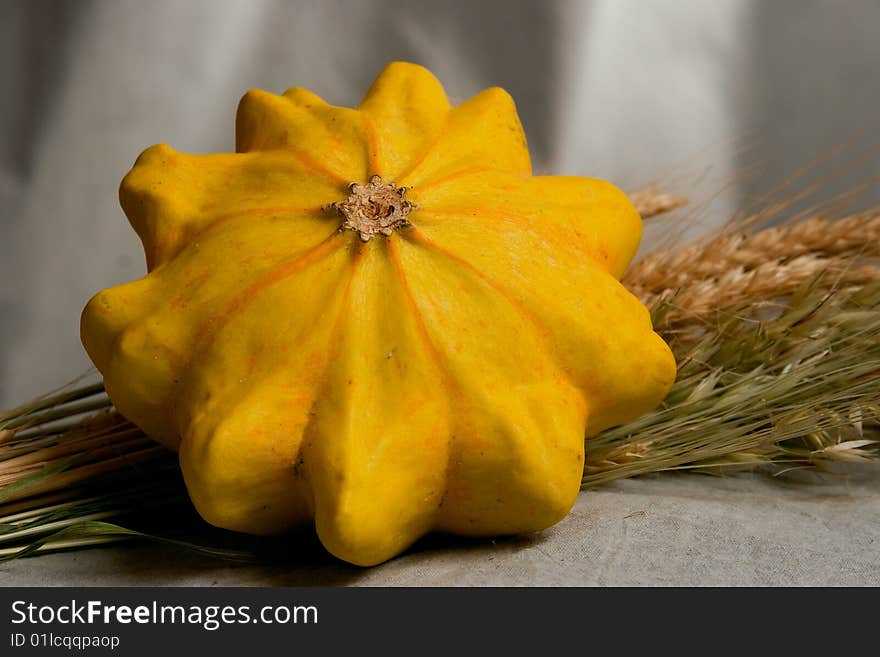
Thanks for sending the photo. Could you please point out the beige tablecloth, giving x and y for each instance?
(665, 530)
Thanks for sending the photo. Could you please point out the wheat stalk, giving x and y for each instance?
(798, 390)
(651, 202)
(734, 266)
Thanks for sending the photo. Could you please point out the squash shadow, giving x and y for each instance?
(186, 551)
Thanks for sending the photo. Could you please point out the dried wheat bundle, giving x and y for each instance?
(733, 268)
(776, 333)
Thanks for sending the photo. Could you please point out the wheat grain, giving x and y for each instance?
(651, 202)
(849, 237)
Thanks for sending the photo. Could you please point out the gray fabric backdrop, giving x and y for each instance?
(720, 99)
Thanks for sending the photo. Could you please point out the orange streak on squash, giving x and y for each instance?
(541, 333)
(450, 176)
(219, 220)
(205, 337)
(422, 157)
(450, 388)
(310, 163)
(372, 146)
(264, 212)
(524, 222)
(394, 255)
(332, 348)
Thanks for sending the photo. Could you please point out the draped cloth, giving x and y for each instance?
(719, 100)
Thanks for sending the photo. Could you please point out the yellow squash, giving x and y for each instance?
(376, 319)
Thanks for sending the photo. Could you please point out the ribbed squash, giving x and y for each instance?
(376, 319)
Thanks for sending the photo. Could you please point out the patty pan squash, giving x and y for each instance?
(376, 319)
